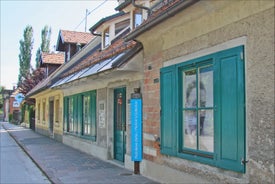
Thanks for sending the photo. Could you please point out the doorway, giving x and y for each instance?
(51, 113)
(119, 123)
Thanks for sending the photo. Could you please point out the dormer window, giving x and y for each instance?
(137, 18)
(106, 38)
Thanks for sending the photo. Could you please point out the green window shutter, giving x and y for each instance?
(229, 109)
(65, 118)
(93, 113)
(168, 115)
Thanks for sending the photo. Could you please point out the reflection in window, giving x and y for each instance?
(198, 133)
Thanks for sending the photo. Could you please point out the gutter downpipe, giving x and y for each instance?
(142, 7)
(165, 15)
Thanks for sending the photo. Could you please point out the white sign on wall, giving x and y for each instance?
(101, 115)
(16, 104)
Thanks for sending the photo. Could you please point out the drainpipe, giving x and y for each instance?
(142, 7)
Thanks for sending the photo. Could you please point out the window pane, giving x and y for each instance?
(206, 86)
(137, 18)
(206, 138)
(86, 115)
(106, 38)
(71, 117)
(189, 88)
(190, 129)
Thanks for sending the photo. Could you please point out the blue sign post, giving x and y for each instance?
(136, 129)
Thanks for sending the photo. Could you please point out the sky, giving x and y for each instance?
(58, 14)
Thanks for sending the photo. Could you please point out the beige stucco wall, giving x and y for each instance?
(212, 24)
(43, 125)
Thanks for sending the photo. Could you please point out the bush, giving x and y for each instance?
(10, 117)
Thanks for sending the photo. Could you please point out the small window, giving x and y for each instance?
(106, 41)
(121, 26)
(137, 18)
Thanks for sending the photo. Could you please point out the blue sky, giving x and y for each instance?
(67, 15)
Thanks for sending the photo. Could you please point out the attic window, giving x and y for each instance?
(106, 38)
(137, 19)
(121, 25)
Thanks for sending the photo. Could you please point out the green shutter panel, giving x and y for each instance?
(168, 122)
(93, 114)
(230, 109)
(65, 118)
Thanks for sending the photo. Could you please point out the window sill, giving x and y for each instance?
(91, 138)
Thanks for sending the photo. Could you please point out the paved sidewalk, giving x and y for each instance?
(63, 164)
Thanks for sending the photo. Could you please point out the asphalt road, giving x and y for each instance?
(16, 166)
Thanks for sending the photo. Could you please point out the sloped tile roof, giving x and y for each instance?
(53, 58)
(76, 37)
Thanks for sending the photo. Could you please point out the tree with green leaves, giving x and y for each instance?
(25, 54)
(45, 43)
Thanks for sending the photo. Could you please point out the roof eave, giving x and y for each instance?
(123, 5)
(99, 23)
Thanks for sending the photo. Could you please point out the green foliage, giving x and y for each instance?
(26, 46)
(45, 44)
(1, 97)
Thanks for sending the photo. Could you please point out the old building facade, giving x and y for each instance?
(205, 71)
(208, 90)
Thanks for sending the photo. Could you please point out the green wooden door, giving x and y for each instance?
(230, 109)
(119, 123)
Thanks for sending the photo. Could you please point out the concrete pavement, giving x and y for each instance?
(15, 165)
(63, 164)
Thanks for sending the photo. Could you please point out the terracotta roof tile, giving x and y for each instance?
(76, 37)
(53, 58)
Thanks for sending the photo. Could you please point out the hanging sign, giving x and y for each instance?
(19, 97)
(136, 129)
